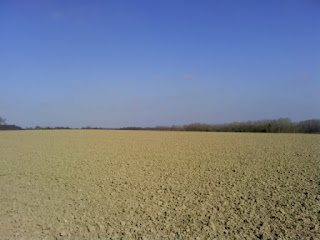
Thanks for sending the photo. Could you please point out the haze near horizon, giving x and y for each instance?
(147, 63)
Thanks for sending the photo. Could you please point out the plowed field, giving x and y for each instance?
(91, 184)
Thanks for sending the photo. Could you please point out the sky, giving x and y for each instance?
(163, 62)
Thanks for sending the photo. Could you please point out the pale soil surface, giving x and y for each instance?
(91, 184)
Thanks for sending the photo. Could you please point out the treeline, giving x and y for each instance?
(54, 128)
(98, 128)
(46, 128)
(10, 127)
(5, 126)
(281, 125)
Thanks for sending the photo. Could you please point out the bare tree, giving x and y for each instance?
(2, 121)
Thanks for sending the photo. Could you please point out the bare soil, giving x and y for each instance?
(96, 184)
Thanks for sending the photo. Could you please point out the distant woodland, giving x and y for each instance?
(281, 125)
(5, 126)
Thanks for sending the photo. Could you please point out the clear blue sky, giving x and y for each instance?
(147, 63)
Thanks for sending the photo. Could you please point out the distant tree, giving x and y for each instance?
(2, 121)
(175, 128)
(162, 128)
(10, 127)
(309, 126)
(197, 127)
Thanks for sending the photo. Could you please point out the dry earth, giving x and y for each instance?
(91, 184)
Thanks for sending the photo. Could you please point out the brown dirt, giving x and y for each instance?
(90, 184)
